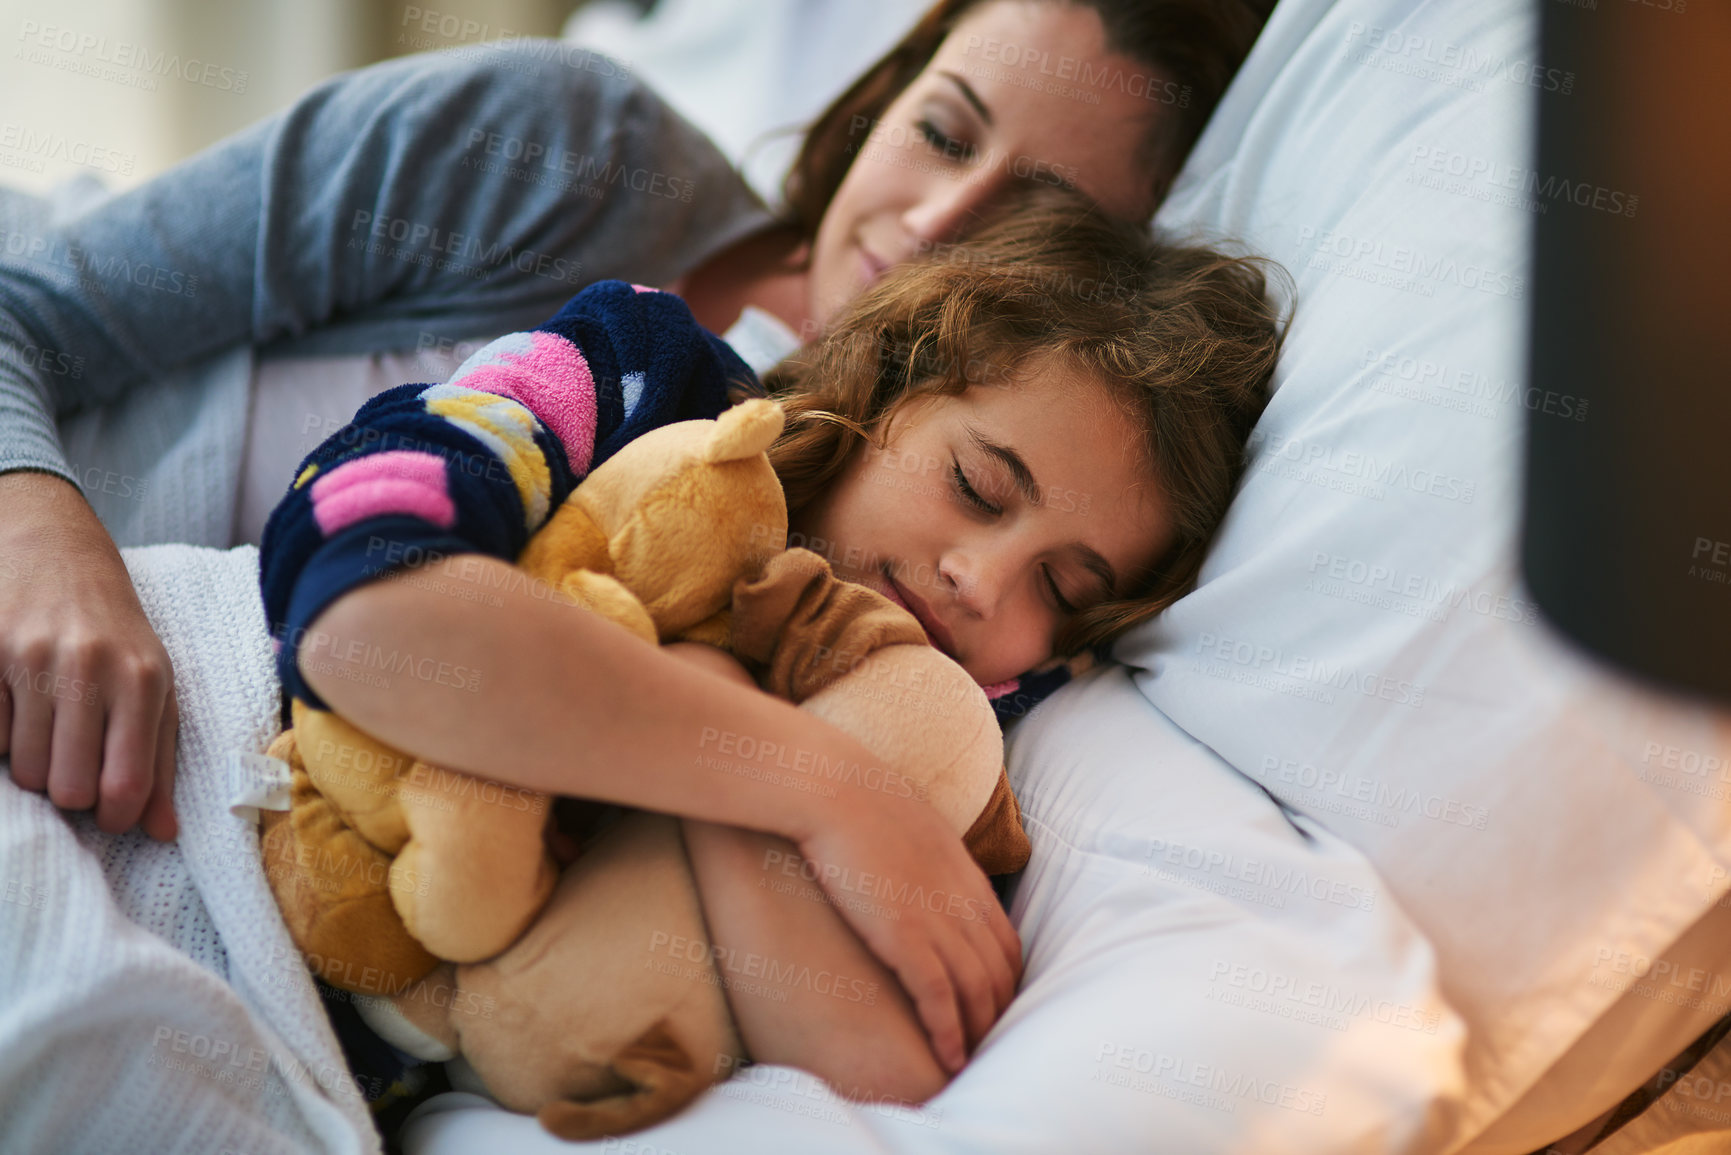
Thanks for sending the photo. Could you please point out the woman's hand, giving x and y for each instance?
(903, 880)
(87, 706)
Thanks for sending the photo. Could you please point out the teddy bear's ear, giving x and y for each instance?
(745, 430)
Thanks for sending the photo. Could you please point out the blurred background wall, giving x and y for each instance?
(122, 89)
(125, 88)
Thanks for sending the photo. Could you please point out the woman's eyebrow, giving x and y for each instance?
(1092, 559)
(970, 96)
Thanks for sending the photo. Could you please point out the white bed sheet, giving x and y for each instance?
(1201, 976)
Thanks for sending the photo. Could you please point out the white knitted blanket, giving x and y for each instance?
(150, 997)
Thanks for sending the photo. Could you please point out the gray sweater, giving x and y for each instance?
(454, 193)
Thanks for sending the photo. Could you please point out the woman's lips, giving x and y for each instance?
(871, 267)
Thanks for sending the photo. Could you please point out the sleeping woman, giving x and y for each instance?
(1027, 443)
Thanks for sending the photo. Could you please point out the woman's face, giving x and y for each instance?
(993, 580)
(1021, 93)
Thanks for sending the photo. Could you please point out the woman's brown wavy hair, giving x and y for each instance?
(1184, 337)
(1196, 44)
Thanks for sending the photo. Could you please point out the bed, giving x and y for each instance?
(1327, 862)
(1362, 682)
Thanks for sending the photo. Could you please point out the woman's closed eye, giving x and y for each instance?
(942, 142)
(973, 498)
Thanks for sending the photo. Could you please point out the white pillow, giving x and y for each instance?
(1360, 643)
(750, 73)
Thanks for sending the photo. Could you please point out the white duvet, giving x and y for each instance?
(150, 998)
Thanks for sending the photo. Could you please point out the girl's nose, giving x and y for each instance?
(977, 579)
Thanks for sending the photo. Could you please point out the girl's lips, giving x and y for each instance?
(935, 632)
(893, 594)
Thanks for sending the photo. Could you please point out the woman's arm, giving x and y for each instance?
(302, 221)
(79, 645)
(382, 196)
(467, 666)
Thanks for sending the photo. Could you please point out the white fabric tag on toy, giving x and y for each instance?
(256, 782)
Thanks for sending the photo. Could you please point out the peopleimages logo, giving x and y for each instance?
(1430, 58)
(1372, 473)
(1365, 258)
(1276, 668)
(87, 53)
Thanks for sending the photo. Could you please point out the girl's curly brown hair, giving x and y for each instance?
(1185, 339)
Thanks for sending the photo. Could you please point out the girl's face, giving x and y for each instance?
(1021, 93)
(1061, 515)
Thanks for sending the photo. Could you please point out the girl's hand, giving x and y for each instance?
(903, 880)
(938, 926)
(87, 706)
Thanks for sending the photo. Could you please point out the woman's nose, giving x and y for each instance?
(947, 206)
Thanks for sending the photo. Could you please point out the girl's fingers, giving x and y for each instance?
(974, 993)
(1000, 971)
(927, 982)
(129, 754)
(1009, 945)
(159, 820)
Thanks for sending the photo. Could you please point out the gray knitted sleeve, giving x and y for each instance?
(464, 191)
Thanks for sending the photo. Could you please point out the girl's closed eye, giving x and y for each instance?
(1063, 602)
(1086, 466)
(969, 493)
(972, 497)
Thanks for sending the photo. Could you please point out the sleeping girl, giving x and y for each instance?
(1027, 444)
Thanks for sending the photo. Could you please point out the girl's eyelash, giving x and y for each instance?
(1062, 604)
(968, 492)
(943, 141)
(972, 497)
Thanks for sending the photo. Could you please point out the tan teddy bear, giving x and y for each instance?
(386, 865)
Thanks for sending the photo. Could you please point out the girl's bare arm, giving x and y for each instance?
(463, 664)
(804, 990)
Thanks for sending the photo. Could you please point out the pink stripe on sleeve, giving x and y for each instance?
(552, 381)
(400, 481)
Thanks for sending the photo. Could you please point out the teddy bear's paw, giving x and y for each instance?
(607, 597)
(286, 748)
(330, 886)
(464, 904)
(353, 771)
(662, 1076)
(416, 1020)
